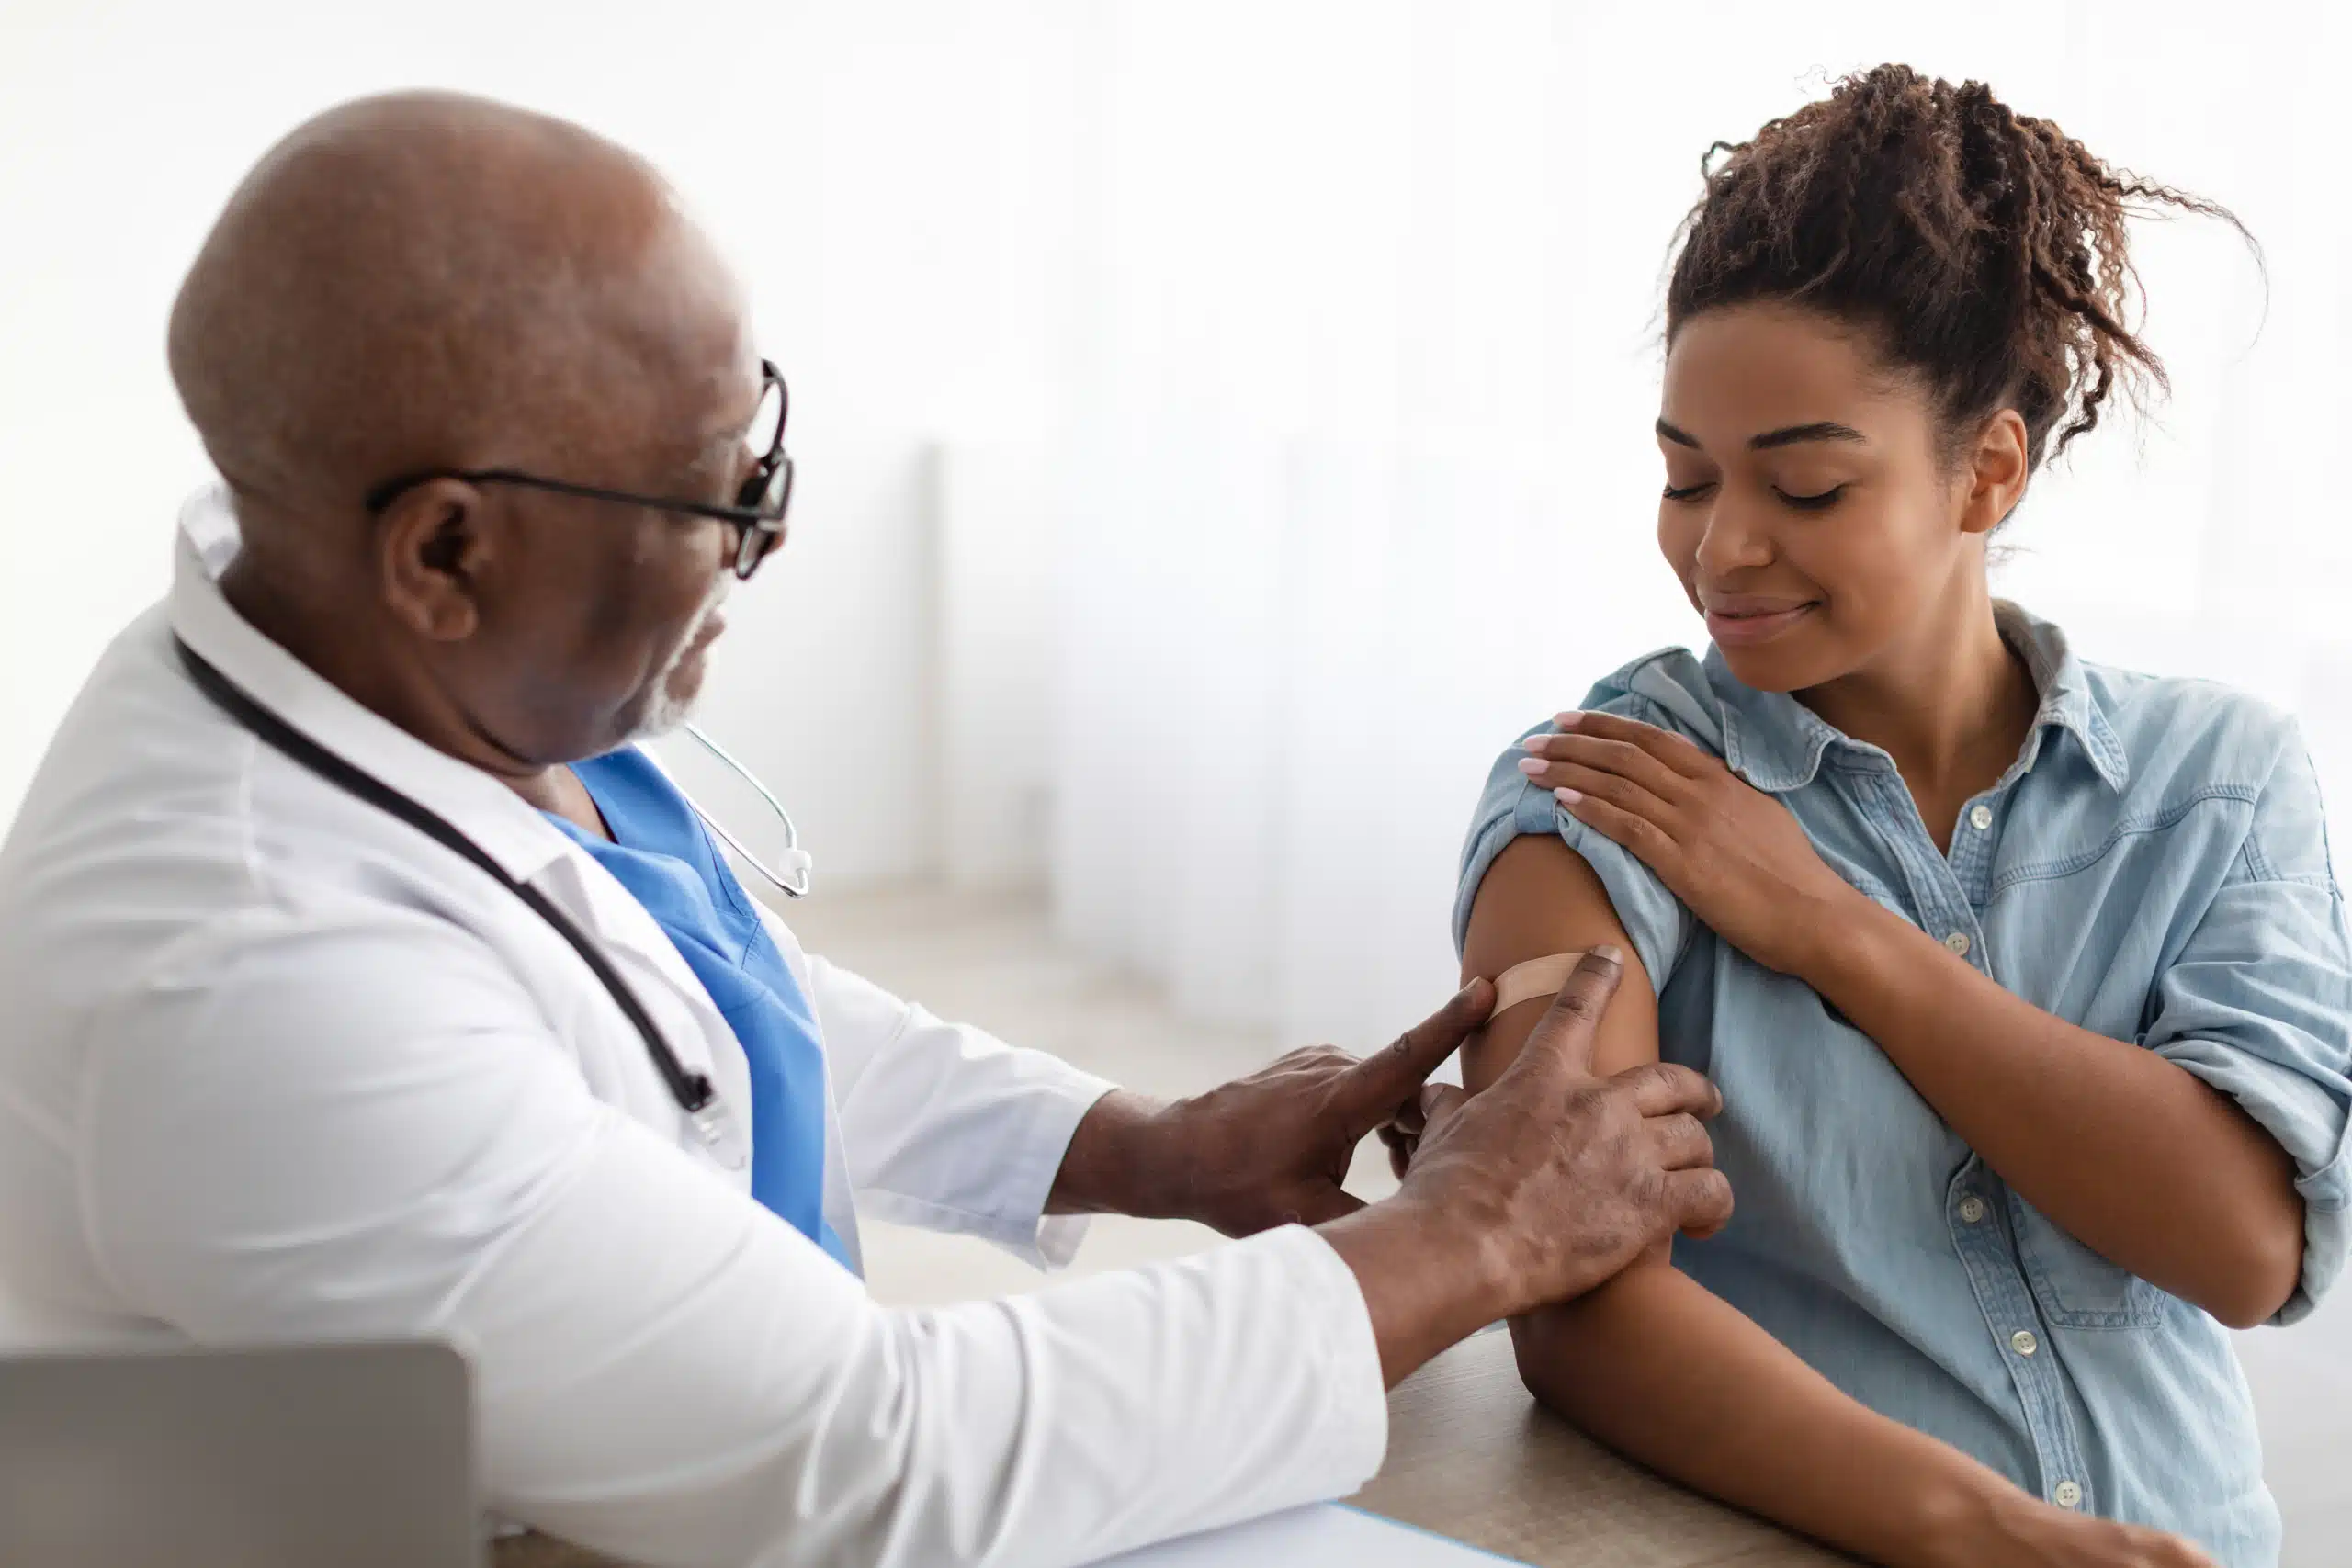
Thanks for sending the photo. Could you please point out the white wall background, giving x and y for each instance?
(1365, 484)
(885, 174)
(1222, 424)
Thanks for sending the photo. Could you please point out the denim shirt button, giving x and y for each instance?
(1958, 941)
(2067, 1494)
(1972, 1210)
(2024, 1343)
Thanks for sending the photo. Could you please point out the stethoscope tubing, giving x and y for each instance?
(692, 1090)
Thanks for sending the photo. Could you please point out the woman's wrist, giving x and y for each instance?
(1961, 1515)
(2004, 1524)
(1852, 946)
(1840, 937)
(1958, 1523)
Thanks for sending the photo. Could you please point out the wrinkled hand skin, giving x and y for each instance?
(1569, 1177)
(1266, 1150)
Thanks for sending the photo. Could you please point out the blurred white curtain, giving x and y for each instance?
(1360, 481)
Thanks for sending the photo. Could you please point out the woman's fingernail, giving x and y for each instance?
(1610, 951)
(1531, 766)
(1568, 721)
(1567, 796)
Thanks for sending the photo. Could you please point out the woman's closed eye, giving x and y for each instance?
(1820, 501)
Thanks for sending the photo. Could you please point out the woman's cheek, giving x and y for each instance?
(1679, 529)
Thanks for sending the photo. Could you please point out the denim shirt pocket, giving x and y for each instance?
(2074, 1286)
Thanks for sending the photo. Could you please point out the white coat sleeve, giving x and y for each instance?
(359, 1126)
(944, 1126)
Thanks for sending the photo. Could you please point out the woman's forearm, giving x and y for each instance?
(1665, 1372)
(2132, 1154)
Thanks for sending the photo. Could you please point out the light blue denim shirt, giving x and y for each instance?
(2154, 867)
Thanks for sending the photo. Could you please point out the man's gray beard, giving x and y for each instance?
(667, 714)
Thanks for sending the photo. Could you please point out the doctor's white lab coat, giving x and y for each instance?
(273, 1066)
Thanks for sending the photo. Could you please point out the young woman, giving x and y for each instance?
(2025, 981)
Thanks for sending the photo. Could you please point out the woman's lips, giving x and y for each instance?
(1746, 627)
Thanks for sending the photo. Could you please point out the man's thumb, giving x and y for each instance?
(1563, 1040)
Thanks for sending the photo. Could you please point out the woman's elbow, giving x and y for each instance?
(1552, 1345)
(2263, 1270)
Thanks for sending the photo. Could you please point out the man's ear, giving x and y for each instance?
(432, 546)
(1995, 469)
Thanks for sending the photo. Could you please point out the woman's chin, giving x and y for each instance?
(1775, 667)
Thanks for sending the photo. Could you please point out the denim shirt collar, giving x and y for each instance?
(1777, 743)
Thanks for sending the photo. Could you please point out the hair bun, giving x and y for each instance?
(1986, 251)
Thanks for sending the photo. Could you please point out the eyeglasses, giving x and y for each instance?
(760, 505)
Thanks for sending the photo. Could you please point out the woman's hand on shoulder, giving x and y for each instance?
(1733, 854)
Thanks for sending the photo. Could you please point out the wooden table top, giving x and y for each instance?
(1470, 1456)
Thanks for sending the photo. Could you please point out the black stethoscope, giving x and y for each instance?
(713, 1121)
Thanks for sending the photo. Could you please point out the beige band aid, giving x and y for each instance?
(1537, 977)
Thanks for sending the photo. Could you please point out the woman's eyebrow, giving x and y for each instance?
(1796, 434)
(1790, 436)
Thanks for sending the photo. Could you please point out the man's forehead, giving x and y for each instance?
(704, 427)
(674, 357)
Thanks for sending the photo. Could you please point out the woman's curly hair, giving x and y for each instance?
(1985, 251)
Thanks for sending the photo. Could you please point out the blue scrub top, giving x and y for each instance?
(661, 852)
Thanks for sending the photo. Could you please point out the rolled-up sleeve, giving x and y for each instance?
(1513, 805)
(2258, 1004)
(291, 1139)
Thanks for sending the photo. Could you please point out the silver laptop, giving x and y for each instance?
(357, 1456)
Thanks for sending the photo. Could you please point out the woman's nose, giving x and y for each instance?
(1735, 539)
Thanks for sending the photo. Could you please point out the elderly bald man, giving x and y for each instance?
(365, 979)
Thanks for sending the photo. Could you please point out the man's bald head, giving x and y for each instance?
(429, 280)
(430, 284)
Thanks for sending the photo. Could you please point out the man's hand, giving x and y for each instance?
(1539, 1188)
(1573, 1177)
(1266, 1150)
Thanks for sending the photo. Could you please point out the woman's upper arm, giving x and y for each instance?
(1541, 898)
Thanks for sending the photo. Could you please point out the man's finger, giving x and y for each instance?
(1407, 1121)
(1562, 1042)
(1662, 1089)
(1699, 1201)
(1439, 1101)
(1376, 1086)
(1681, 1143)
